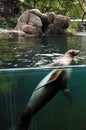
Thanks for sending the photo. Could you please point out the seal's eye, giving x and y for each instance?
(72, 53)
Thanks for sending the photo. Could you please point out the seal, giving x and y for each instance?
(51, 84)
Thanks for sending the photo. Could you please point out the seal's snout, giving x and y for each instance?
(73, 52)
(76, 52)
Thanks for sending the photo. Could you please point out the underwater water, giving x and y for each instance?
(34, 52)
(16, 87)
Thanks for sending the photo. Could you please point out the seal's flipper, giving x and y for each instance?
(55, 75)
(49, 79)
(67, 94)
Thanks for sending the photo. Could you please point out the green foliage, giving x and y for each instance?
(10, 23)
(75, 12)
(7, 81)
(65, 7)
(75, 26)
(71, 8)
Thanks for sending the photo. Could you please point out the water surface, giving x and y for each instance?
(33, 52)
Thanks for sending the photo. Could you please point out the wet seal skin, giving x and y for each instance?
(51, 84)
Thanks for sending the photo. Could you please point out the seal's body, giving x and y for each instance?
(55, 81)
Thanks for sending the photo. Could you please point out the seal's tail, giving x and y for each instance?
(24, 121)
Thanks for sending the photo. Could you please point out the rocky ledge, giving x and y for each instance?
(11, 33)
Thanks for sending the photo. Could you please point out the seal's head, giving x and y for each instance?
(72, 53)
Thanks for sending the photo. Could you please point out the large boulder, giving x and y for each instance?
(58, 26)
(35, 23)
(29, 23)
(23, 20)
(61, 21)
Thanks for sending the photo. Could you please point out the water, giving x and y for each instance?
(16, 87)
(34, 52)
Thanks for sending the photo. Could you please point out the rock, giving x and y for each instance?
(42, 16)
(53, 30)
(11, 33)
(29, 23)
(58, 26)
(23, 19)
(61, 21)
(34, 23)
(32, 30)
(50, 16)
